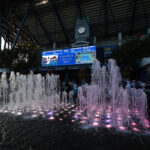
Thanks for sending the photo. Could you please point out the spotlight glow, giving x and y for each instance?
(34, 116)
(6, 111)
(133, 124)
(119, 118)
(95, 124)
(136, 129)
(96, 119)
(96, 115)
(50, 113)
(51, 118)
(108, 120)
(147, 125)
(108, 116)
(82, 121)
(60, 119)
(19, 113)
(85, 118)
(108, 126)
(41, 112)
(122, 128)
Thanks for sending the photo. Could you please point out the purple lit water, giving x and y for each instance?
(105, 103)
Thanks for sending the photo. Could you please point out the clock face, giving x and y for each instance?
(81, 30)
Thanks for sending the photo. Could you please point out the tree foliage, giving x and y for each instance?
(23, 57)
(129, 55)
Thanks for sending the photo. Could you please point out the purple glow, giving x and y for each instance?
(108, 116)
(108, 120)
(76, 117)
(51, 113)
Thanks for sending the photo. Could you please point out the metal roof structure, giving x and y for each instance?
(48, 21)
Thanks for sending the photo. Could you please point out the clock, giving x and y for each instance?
(81, 30)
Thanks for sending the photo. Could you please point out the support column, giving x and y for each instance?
(119, 38)
(94, 40)
(148, 32)
(54, 45)
(0, 29)
(6, 37)
(22, 24)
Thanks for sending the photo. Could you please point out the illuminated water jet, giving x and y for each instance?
(107, 100)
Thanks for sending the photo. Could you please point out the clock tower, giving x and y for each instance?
(82, 29)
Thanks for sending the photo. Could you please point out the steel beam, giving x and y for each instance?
(22, 23)
(0, 29)
(37, 17)
(78, 6)
(60, 21)
(113, 16)
(126, 16)
(6, 38)
(133, 16)
(145, 14)
(27, 33)
(106, 16)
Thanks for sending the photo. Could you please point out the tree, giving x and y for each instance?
(129, 55)
(23, 57)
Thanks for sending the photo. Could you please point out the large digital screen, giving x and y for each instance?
(72, 56)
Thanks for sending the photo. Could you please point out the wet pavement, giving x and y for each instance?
(17, 133)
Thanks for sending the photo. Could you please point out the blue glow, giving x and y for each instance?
(73, 56)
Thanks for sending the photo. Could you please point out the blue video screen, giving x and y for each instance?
(72, 56)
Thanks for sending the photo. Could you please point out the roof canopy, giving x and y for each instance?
(48, 21)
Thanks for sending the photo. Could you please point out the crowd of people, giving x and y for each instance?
(73, 86)
(137, 84)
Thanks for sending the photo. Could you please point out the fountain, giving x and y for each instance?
(105, 103)
(29, 95)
